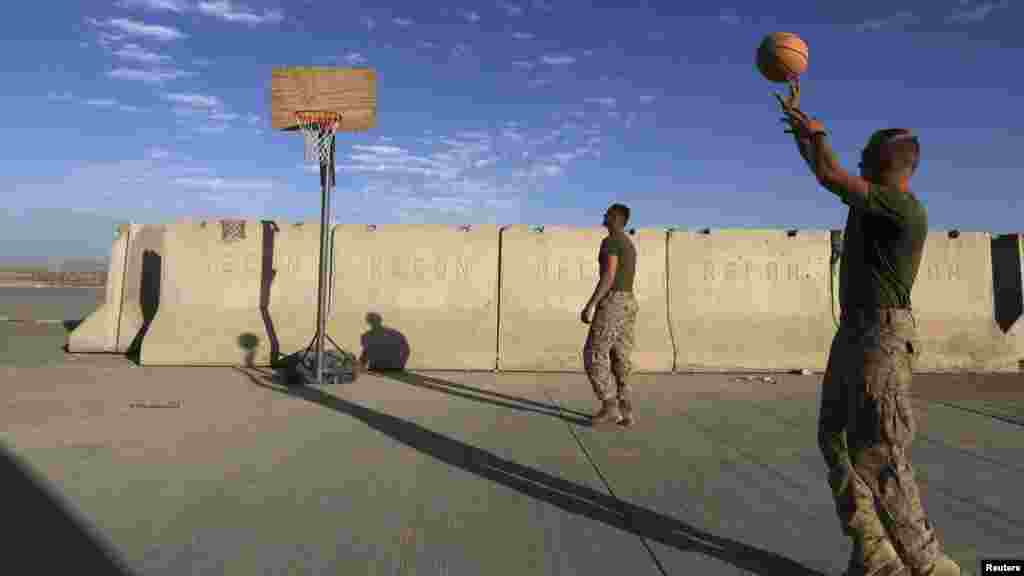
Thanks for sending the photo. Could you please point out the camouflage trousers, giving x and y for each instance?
(609, 346)
(865, 428)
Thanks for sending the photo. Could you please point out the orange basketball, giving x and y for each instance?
(781, 56)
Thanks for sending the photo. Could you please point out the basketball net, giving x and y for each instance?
(318, 129)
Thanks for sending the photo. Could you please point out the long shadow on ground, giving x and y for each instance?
(486, 396)
(41, 535)
(569, 496)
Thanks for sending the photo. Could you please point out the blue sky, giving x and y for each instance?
(517, 111)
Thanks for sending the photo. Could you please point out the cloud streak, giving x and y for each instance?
(147, 76)
(194, 100)
(974, 14)
(152, 31)
(558, 60)
(176, 6)
(898, 20)
(220, 184)
(227, 11)
(139, 54)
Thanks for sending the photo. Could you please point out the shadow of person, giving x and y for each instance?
(384, 348)
(489, 397)
(51, 536)
(568, 496)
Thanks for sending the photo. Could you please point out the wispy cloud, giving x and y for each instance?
(512, 9)
(157, 153)
(102, 102)
(152, 31)
(898, 20)
(646, 99)
(461, 50)
(378, 149)
(970, 14)
(370, 23)
(218, 184)
(140, 54)
(156, 187)
(194, 100)
(471, 16)
(148, 76)
(355, 59)
(605, 101)
(523, 64)
(729, 16)
(177, 6)
(426, 44)
(558, 60)
(522, 35)
(229, 12)
(403, 22)
(543, 5)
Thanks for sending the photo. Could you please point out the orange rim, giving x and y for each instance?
(319, 118)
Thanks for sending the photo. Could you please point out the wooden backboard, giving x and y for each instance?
(352, 92)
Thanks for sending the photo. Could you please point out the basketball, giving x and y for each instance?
(781, 56)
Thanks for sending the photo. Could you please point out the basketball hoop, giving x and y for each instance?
(318, 129)
(314, 100)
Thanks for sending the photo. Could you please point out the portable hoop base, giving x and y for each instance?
(319, 129)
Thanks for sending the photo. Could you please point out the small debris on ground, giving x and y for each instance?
(765, 379)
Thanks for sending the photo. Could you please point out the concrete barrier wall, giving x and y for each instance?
(98, 331)
(422, 297)
(750, 299)
(234, 302)
(954, 305)
(547, 277)
(722, 300)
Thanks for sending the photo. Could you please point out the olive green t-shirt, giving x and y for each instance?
(618, 244)
(882, 248)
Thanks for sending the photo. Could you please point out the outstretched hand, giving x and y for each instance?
(800, 124)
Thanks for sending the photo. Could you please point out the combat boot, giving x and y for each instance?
(875, 557)
(944, 566)
(626, 408)
(609, 413)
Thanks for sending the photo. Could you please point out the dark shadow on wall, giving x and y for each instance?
(267, 276)
(43, 535)
(149, 300)
(1006, 280)
(384, 348)
(248, 341)
(568, 496)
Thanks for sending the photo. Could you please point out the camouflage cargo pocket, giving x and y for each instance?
(884, 413)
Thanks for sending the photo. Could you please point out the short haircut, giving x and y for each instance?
(622, 210)
(893, 150)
